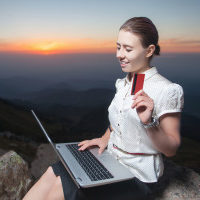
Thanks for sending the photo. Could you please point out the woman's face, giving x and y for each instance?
(130, 52)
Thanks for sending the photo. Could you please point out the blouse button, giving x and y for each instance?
(118, 124)
(120, 111)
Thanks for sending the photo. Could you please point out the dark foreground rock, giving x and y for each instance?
(14, 177)
(177, 183)
(45, 156)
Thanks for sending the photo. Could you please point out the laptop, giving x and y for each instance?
(88, 168)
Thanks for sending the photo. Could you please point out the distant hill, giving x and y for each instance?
(192, 105)
(22, 87)
(66, 97)
(15, 119)
(16, 87)
(75, 104)
(63, 123)
(69, 111)
(190, 126)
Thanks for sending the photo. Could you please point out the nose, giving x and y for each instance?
(119, 54)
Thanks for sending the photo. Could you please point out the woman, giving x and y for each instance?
(141, 126)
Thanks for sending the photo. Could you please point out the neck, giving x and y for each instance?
(143, 69)
(130, 74)
(139, 71)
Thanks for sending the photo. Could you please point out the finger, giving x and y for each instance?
(139, 93)
(136, 103)
(143, 103)
(88, 144)
(147, 101)
(139, 99)
(82, 142)
(85, 146)
(101, 149)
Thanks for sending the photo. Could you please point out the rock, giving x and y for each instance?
(14, 176)
(177, 183)
(45, 156)
(2, 152)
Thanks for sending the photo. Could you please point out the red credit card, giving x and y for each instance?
(138, 81)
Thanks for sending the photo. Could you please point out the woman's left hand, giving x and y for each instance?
(144, 106)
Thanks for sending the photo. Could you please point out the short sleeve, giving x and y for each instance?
(117, 84)
(170, 100)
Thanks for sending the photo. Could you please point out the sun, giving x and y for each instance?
(46, 47)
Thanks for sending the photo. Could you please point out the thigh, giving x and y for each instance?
(42, 187)
(56, 191)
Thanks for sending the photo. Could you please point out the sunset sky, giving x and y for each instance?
(91, 26)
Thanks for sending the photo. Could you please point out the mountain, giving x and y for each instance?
(71, 107)
(63, 123)
(17, 122)
(22, 87)
(192, 105)
(88, 98)
(17, 86)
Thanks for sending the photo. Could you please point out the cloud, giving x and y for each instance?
(173, 41)
(180, 45)
(90, 45)
(4, 43)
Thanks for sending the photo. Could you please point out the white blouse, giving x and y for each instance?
(128, 133)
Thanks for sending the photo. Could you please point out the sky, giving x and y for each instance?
(61, 40)
(91, 26)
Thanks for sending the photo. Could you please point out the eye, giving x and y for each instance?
(128, 50)
(118, 48)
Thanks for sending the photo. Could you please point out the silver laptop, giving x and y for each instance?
(88, 168)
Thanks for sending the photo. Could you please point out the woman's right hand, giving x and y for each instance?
(100, 142)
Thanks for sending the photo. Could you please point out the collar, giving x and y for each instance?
(148, 74)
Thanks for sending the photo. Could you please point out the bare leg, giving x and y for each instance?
(42, 187)
(56, 192)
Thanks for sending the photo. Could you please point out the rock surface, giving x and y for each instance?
(14, 176)
(45, 156)
(177, 183)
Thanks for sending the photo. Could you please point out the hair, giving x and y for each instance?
(146, 30)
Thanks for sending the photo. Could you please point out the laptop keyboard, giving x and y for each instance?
(93, 168)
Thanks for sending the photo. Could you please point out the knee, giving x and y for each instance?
(58, 182)
(49, 174)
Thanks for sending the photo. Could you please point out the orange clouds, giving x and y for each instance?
(85, 45)
(180, 45)
(89, 45)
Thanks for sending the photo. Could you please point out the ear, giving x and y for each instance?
(150, 50)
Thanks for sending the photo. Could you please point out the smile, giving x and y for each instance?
(123, 64)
